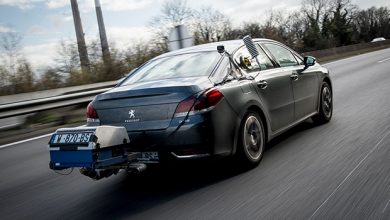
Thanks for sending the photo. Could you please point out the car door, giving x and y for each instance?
(306, 89)
(272, 85)
(304, 81)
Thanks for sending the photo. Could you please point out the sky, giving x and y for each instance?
(44, 23)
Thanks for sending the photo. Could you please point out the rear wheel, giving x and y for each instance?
(326, 105)
(252, 140)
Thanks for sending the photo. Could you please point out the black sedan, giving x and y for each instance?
(219, 99)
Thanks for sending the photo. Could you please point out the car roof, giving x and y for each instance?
(230, 46)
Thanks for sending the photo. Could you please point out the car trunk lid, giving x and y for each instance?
(146, 106)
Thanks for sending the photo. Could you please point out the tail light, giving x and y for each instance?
(91, 112)
(206, 102)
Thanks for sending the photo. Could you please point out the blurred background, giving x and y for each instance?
(56, 55)
(41, 51)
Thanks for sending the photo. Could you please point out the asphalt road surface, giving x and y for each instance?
(340, 170)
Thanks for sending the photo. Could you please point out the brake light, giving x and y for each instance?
(206, 102)
(185, 106)
(208, 99)
(91, 112)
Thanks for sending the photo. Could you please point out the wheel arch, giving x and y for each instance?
(327, 80)
(256, 108)
(262, 117)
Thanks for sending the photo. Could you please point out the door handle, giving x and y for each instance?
(262, 84)
(294, 77)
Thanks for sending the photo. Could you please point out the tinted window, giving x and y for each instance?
(282, 55)
(245, 61)
(179, 66)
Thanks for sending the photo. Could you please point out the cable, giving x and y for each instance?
(64, 174)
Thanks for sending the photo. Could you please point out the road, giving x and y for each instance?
(340, 170)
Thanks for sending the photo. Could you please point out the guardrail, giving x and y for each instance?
(42, 104)
(22, 97)
(21, 104)
(346, 49)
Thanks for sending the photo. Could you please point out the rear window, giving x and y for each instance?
(179, 66)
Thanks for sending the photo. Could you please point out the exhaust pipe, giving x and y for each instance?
(136, 168)
(98, 174)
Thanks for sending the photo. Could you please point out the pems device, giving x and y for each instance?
(98, 151)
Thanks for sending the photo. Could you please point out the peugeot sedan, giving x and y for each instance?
(220, 99)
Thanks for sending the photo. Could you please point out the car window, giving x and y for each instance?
(244, 60)
(178, 66)
(283, 56)
(225, 69)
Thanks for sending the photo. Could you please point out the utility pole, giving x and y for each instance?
(80, 37)
(102, 32)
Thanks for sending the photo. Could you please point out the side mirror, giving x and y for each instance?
(309, 61)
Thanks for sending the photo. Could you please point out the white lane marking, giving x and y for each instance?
(350, 173)
(32, 139)
(24, 141)
(386, 206)
(380, 61)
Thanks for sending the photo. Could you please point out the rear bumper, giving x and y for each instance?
(203, 135)
(193, 140)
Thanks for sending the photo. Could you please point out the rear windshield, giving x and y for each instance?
(179, 66)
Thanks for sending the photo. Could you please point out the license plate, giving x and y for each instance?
(71, 138)
(151, 157)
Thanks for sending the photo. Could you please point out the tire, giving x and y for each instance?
(252, 140)
(326, 105)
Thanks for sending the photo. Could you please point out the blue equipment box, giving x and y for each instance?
(88, 147)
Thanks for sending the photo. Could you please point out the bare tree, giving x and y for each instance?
(50, 79)
(210, 25)
(292, 30)
(16, 72)
(68, 63)
(371, 23)
(108, 69)
(173, 13)
(138, 54)
(317, 14)
(11, 48)
(272, 26)
(4, 75)
(24, 80)
(315, 10)
(340, 25)
(286, 28)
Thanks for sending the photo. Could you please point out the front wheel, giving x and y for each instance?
(252, 140)
(326, 105)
